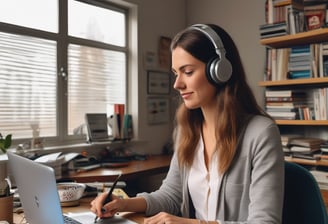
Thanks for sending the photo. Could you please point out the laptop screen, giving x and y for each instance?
(37, 190)
(38, 193)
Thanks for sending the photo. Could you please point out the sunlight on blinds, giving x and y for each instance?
(28, 85)
(96, 80)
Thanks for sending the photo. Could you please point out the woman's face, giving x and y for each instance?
(191, 81)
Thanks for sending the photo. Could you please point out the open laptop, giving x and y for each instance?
(38, 193)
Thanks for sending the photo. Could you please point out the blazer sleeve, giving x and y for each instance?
(168, 197)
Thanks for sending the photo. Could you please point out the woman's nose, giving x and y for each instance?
(178, 84)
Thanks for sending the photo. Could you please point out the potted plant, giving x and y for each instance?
(5, 143)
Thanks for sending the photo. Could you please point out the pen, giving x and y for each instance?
(109, 195)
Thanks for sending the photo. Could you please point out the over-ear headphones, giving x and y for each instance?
(218, 69)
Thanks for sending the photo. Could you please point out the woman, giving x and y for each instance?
(228, 162)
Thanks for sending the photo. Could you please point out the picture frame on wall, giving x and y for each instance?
(158, 110)
(158, 82)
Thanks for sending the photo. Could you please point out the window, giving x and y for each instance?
(55, 69)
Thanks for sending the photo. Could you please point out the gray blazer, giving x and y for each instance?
(251, 191)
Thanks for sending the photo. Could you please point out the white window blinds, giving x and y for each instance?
(96, 81)
(28, 85)
(86, 43)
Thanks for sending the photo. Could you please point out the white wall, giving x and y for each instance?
(155, 18)
(241, 19)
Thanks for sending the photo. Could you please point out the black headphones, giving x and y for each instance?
(218, 69)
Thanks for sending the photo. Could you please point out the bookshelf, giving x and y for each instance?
(315, 36)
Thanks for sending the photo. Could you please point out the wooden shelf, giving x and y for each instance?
(303, 122)
(308, 37)
(290, 82)
(322, 162)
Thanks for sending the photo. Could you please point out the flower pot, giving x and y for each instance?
(6, 208)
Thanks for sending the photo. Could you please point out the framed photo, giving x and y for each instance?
(158, 110)
(164, 54)
(158, 82)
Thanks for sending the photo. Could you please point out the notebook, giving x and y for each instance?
(38, 193)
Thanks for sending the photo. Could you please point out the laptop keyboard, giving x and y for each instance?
(69, 220)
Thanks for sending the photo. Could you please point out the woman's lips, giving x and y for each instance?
(186, 95)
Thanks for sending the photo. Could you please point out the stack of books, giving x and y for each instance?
(287, 11)
(273, 30)
(300, 62)
(305, 147)
(285, 138)
(324, 148)
(284, 104)
(299, 15)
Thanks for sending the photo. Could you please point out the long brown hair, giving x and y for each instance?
(235, 100)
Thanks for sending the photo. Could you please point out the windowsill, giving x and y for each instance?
(92, 149)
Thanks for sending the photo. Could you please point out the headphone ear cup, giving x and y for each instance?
(218, 71)
(210, 72)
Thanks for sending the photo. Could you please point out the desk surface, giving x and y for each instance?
(85, 207)
(136, 168)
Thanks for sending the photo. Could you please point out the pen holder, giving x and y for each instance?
(6, 208)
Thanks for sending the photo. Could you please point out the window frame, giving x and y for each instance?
(63, 40)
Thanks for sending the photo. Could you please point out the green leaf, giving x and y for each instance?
(5, 143)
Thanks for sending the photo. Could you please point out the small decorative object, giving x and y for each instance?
(70, 193)
(5, 143)
(315, 16)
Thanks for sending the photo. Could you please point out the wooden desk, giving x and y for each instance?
(136, 168)
(84, 207)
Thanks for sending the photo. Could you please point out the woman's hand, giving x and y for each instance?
(165, 218)
(108, 210)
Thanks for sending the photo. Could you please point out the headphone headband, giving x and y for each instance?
(212, 36)
(218, 69)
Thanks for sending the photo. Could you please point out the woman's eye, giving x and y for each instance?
(188, 72)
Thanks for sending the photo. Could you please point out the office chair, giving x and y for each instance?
(303, 202)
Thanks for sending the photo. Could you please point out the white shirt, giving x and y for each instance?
(203, 185)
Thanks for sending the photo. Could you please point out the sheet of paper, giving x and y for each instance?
(89, 217)
(69, 156)
(48, 158)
